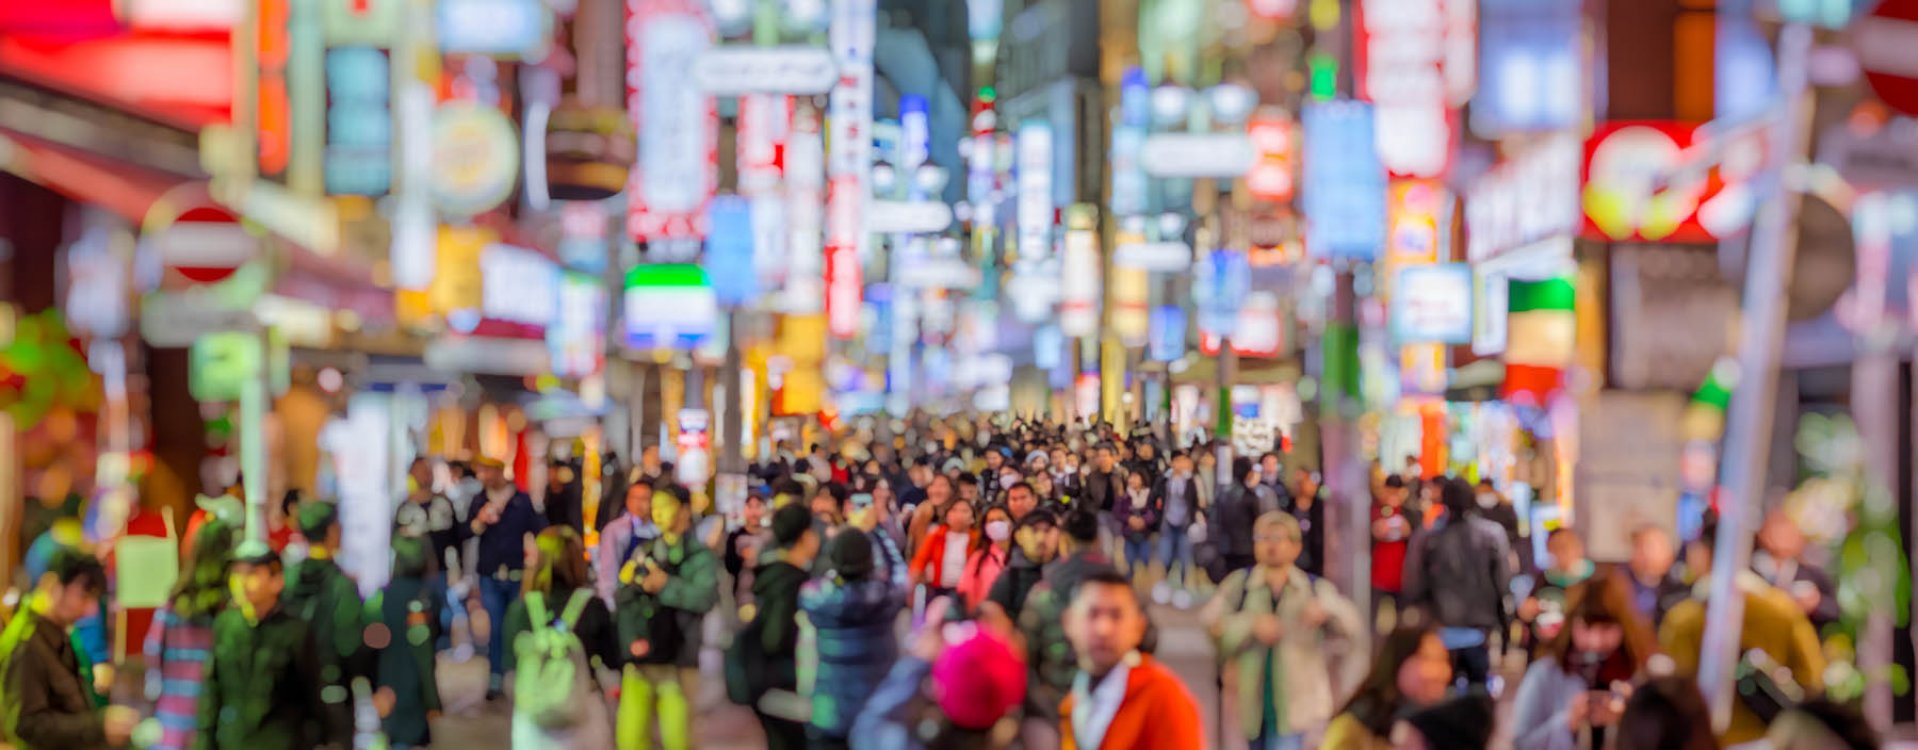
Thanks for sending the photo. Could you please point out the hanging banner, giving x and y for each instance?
(1344, 183)
(677, 125)
(1400, 69)
(1168, 333)
(1079, 277)
(1035, 190)
(729, 251)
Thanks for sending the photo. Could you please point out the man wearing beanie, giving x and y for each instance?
(776, 584)
(319, 594)
(946, 694)
(853, 609)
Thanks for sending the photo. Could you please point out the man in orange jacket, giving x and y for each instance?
(1121, 699)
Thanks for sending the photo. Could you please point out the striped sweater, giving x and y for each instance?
(177, 651)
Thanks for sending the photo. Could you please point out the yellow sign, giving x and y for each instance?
(457, 284)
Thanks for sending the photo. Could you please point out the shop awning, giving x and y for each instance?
(333, 283)
(116, 186)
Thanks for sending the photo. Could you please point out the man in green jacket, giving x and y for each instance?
(664, 595)
(262, 686)
(319, 594)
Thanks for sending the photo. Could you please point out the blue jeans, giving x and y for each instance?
(1278, 742)
(496, 595)
(1176, 549)
(1138, 551)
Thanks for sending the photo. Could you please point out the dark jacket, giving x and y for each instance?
(502, 546)
(46, 704)
(855, 642)
(612, 495)
(1234, 515)
(1459, 571)
(1312, 530)
(320, 594)
(1015, 583)
(567, 507)
(670, 620)
(1189, 493)
(1102, 489)
(409, 609)
(1042, 622)
(597, 636)
(776, 593)
(433, 521)
(1123, 511)
(264, 688)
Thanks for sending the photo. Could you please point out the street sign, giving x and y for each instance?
(1884, 41)
(205, 245)
(889, 217)
(734, 71)
(1161, 257)
(177, 319)
(1197, 155)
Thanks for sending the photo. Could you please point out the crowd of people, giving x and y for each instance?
(994, 586)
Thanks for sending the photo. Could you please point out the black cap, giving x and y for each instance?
(790, 523)
(1462, 722)
(851, 554)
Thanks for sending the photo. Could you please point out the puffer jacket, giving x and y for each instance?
(855, 643)
(1469, 557)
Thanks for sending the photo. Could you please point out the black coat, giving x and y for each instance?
(263, 688)
(1234, 514)
(776, 595)
(410, 610)
(320, 594)
(1015, 583)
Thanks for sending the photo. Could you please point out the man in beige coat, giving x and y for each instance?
(1285, 636)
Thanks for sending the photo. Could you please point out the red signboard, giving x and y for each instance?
(677, 123)
(845, 288)
(275, 111)
(1883, 41)
(1271, 177)
(1400, 68)
(1652, 181)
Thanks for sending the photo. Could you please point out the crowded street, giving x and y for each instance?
(958, 374)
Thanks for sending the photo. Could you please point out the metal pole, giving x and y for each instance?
(1748, 426)
(1348, 549)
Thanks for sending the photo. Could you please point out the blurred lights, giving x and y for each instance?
(1231, 103)
(1169, 105)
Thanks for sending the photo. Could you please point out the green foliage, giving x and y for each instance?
(41, 371)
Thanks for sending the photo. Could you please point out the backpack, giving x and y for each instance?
(553, 680)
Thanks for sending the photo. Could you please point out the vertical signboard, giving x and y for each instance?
(852, 35)
(729, 251)
(1344, 182)
(1079, 274)
(1401, 46)
(1034, 147)
(805, 191)
(359, 122)
(1128, 139)
(273, 112)
(677, 125)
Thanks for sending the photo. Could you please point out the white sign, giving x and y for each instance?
(943, 273)
(518, 286)
(735, 71)
(1035, 190)
(853, 34)
(1161, 257)
(919, 217)
(1533, 196)
(1404, 55)
(1629, 461)
(676, 169)
(177, 319)
(475, 158)
(507, 28)
(1079, 284)
(1195, 155)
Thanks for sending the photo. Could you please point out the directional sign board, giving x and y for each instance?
(735, 71)
(1163, 257)
(887, 217)
(1198, 155)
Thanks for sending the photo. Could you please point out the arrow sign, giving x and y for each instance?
(736, 71)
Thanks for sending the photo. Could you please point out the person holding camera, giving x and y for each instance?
(666, 590)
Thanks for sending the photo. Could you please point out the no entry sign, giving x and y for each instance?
(1887, 45)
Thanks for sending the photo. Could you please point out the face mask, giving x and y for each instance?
(998, 531)
(1006, 481)
(1487, 500)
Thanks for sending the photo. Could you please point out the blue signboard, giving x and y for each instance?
(1529, 77)
(1432, 304)
(729, 250)
(359, 123)
(1223, 280)
(1343, 189)
(1167, 333)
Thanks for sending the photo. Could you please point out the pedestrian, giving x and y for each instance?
(264, 685)
(764, 657)
(1280, 631)
(1308, 507)
(1457, 570)
(1667, 713)
(613, 482)
(1820, 724)
(1494, 506)
(1780, 560)
(623, 537)
(502, 518)
(664, 595)
(1575, 691)
(1020, 500)
(47, 698)
(1104, 484)
(940, 494)
(1048, 493)
(1464, 722)
(281, 527)
(1392, 529)
(1121, 699)
(319, 594)
(562, 636)
(1180, 506)
(1544, 611)
(1138, 513)
(853, 608)
(985, 564)
(941, 562)
(1774, 624)
(1037, 543)
(1042, 623)
(1236, 512)
(425, 513)
(742, 547)
(1412, 670)
(959, 693)
(180, 641)
(1656, 585)
(405, 612)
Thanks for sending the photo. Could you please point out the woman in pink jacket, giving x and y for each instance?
(986, 563)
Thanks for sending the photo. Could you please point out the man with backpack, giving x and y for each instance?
(666, 589)
(321, 595)
(1458, 571)
(762, 669)
(562, 636)
(1277, 627)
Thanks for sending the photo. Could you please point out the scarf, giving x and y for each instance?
(1094, 708)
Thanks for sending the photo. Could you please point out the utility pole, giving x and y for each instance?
(1748, 426)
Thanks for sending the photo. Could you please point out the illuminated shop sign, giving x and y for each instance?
(1432, 304)
(668, 306)
(677, 126)
(729, 251)
(274, 110)
(1256, 330)
(359, 122)
(1528, 55)
(1344, 182)
(852, 33)
(1035, 190)
(1271, 176)
(1638, 187)
(1400, 69)
(518, 285)
(501, 28)
(475, 158)
(1530, 197)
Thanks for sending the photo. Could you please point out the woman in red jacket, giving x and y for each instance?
(940, 563)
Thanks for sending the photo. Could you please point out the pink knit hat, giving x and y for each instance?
(979, 679)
